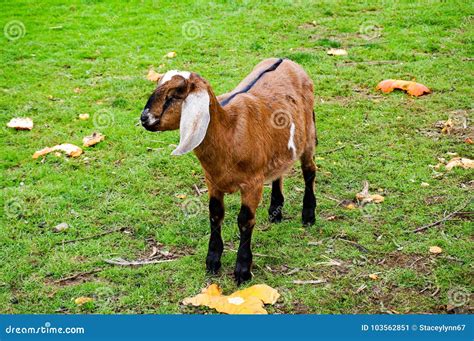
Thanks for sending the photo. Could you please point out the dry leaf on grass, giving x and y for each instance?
(92, 139)
(153, 75)
(61, 227)
(374, 277)
(246, 301)
(21, 123)
(364, 197)
(68, 148)
(435, 250)
(42, 152)
(412, 88)
(83, 300)
(337, 52)
(171, 54)
(468, 140)
(460, 162)
(84, 117)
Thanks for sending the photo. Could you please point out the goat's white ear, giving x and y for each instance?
(195, 119)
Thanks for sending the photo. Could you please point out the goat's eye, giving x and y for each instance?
(167, 103)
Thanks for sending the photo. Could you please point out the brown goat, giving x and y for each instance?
(242, 139)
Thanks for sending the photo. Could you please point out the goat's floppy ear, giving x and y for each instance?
(195, 119)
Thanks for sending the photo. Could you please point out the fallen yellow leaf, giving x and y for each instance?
(92, 139)
(70, 149)
(374, 277)
(21, 123)
(435, 250)
(460, 162)
(337, 52)
(42, 152)
(181, 196)
(153, 75)
(246, 301)
(84, 117)
(83, 300)
(171, 54)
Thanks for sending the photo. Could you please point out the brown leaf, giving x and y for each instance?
(92, 139)
(412, 88)
(460, 162)
(153, 75)
(21, 123)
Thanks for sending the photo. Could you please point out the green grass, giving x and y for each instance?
(105, 50)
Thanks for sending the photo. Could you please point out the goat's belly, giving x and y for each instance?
(277, 168)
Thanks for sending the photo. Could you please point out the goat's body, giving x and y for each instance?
(279, 106)
(242, 139)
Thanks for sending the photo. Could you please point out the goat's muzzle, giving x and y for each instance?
(148, 121)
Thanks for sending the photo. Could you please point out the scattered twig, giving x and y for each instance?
(123, 262)
(312, 281)
(80, 274)
(358, 246)
(197, 190)
(332, 150)
(435, 292)
(370, 62)
(445, 218)
(120, 229)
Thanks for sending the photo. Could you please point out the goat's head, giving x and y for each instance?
(181, 100)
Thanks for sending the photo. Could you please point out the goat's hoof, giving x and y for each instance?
(242, 273)
(275, 218)
(212, 265)
(309, 217)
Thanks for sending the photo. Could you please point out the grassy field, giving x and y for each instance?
(60, 60)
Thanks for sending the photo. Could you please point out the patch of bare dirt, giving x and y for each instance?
(417, 262)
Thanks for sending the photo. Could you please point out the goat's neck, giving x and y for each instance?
(217, 147)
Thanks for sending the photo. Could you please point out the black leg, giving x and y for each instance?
(309, 200)
(276, 204)
(216, 246)
(246, 221)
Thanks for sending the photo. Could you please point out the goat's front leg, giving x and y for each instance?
(250, 198)
(216, 215)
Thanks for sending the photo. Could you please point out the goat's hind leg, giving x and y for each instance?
(276, 202)
(216, 216)
(309, 200)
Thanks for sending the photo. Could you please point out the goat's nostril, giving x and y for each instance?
(144, 115)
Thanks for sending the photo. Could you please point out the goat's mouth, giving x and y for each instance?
(149, 122)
